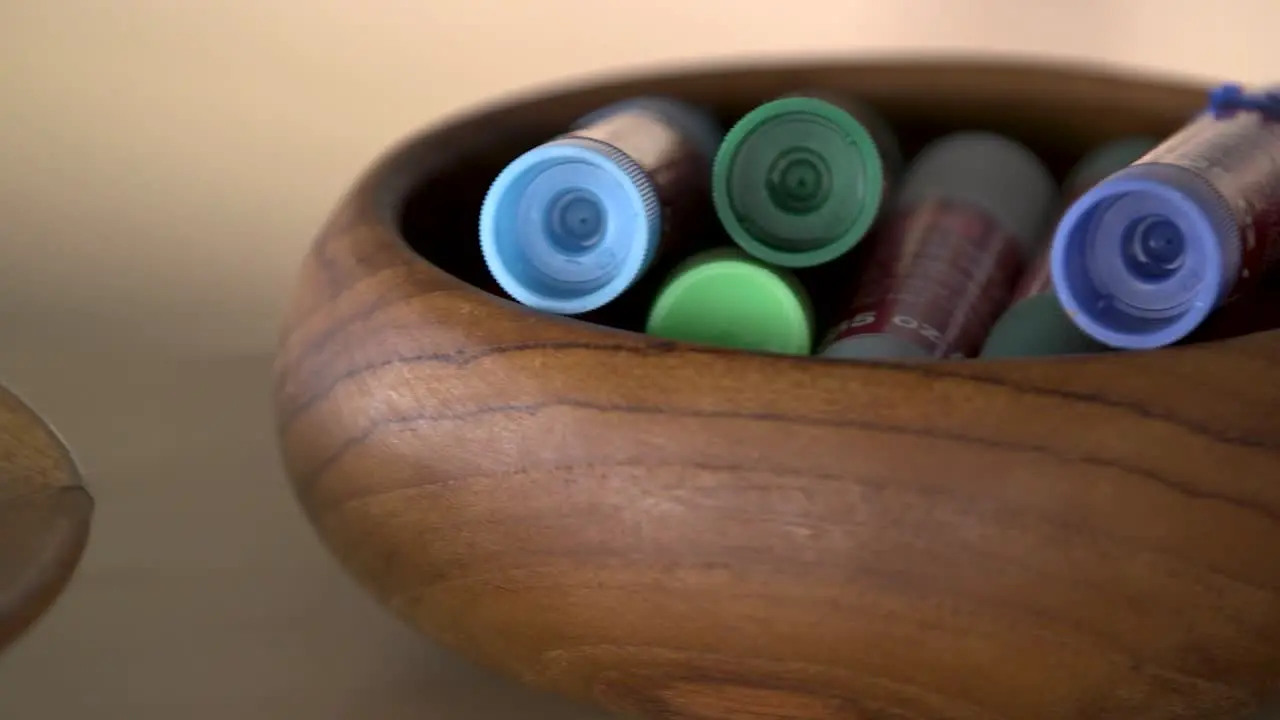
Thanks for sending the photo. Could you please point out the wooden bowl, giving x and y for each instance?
(682, 532)
(44, 517)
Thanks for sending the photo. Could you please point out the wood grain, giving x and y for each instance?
(44, 517)
(682, 532)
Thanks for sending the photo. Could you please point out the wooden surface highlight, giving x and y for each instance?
(44, 517)
(683, 532)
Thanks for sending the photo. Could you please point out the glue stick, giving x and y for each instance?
(573, 223)
(971, 214)
(799, 180)
(1142, 259)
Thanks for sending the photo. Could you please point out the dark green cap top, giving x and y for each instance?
(1037, 326)
(798, 181)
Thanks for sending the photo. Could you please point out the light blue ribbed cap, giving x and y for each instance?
(569, 226)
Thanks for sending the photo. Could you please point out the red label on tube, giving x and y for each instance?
(1037, 280)
(679, 171)
(1255, 312)
(938, 275)
(1240, 157)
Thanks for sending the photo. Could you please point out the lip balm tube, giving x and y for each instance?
(726, 298)
(1141, 260)
(971, 213)
(1035, 323)
(799, 180)
(570, 225)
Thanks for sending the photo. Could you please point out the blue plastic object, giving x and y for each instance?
(1230, 98)
(569, 226)
(1139, 261)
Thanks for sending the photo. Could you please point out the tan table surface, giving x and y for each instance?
(203, 593)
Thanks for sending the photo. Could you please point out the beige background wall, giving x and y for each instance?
(163, 164)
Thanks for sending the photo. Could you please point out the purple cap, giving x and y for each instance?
(1140, 261)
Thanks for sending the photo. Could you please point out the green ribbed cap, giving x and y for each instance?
(798, 182)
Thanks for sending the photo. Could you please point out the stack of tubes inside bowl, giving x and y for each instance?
(827, 241)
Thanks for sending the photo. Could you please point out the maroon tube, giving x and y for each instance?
(941, 269)
(1257, 311)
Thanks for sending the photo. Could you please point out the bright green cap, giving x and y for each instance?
(798, 182)
(726, 299)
